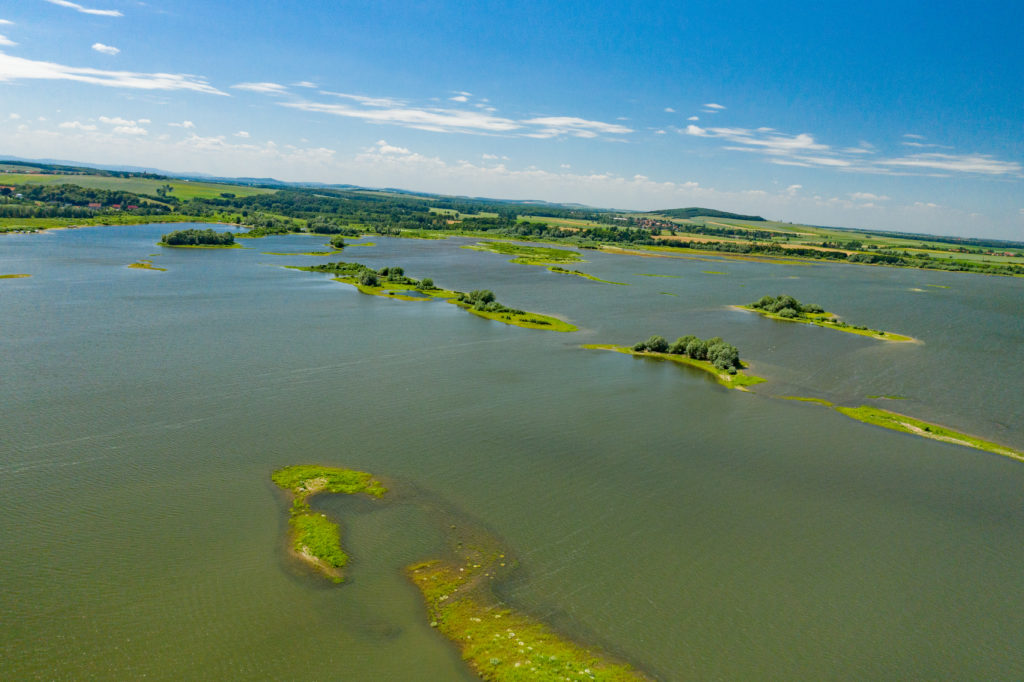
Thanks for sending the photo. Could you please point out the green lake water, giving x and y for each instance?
(697, 532)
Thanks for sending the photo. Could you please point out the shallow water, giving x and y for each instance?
(694, 531)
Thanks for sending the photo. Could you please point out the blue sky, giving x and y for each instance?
(891, 115)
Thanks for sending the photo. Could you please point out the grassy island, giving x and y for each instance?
(528, 255)
(713, 355)
(391, 282)
(563, 271)
(901, 422)
(481, 302)
(206, 239)
(916, 427)
(498, 643)
(315, 538)
(146, 265)
(788, 309)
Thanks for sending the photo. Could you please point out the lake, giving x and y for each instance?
(695, 531)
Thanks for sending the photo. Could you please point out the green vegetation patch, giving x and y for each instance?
(315, 538)
(500, 644)
(528, 255)
(389, 282)
(200, 238)
(482, 303)
(146, 265)
(788, 309)
(737, 380)
(17, 275)
(712, 272)
(900, 422)
(563, 271)
(802, 399)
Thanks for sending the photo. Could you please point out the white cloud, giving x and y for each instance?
(16, 68)
(14, 117)
(383, 102)
(669, 110)
(183, 124)
(459, 98)
(242, 134)
(693, 118)
(577, 127)
(437, 120)
(105, 49)
(86, 10)
(5, 41)
(712, 105)
(77, 125)
(914, 137)
(130, 130)
(6, 22)
(489, 156)
(793, 189)
(382, 147)
(266, 88)
(304, 84)
(868, 196)
(659, 132)
(116, 120)
(983, 164)
(144, 120)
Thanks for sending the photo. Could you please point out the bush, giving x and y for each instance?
(368, 278)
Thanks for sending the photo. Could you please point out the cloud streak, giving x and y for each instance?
(17, 68)
(85, 10)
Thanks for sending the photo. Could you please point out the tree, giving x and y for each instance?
(657, 344)
(368, 278)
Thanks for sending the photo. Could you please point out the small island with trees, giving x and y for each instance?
(203, 239)
(392, 282)
(711, 355)
(788, 309)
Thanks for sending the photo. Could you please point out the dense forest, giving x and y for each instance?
(195, 237)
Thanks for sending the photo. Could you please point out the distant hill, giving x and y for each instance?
(709, 212)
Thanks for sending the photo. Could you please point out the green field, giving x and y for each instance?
(183, 189)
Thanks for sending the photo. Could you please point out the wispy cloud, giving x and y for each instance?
(459, 98)
(712, 105)
(868, 196)
(386, 102)
(17, 68)
(242, 133)
(552, 126)
(6, 42)
(265, 88)
(912, 136)
(6, 22)
(437, 120)
(105, 49)
(984, 164)
(669, 110)
(85, 10)
(304, 84)
(184, 124)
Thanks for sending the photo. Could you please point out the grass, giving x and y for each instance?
(527, 319)
(826, 320)
(528, 255)
(146, 265)
(182, 189)
(563, 271)
(917, 427)
(17, 275)
(300, 253)
(739, 380)
(500, 644)
(802, 399)
(315, 538)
